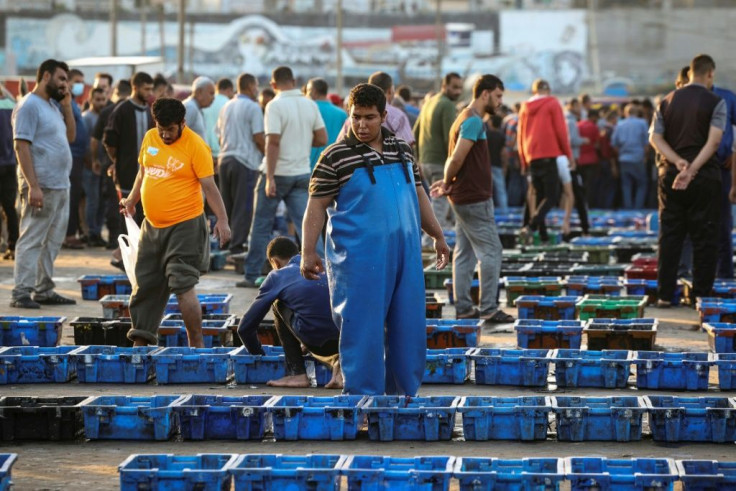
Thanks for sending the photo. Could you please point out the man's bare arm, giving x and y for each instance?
(312, 225)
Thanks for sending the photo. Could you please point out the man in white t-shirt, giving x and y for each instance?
(295, 120)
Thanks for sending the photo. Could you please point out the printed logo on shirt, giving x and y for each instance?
(153, 151)
(172, 166)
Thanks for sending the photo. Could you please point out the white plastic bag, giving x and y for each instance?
(129, 248)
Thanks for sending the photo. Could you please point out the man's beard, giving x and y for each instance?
(490, 109)
(54, 92)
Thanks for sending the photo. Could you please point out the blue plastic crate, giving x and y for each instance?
(649, 288)
(410, 418)
(212, 303)
(129, 418)
(6, 465)
(374, 473)
(34, 365)
(115, 306)
(194, 365)
(540, 334)
(578, 286)
(215, 417)
(588, 473)
(581, 368)
(533, 474)
(41, 331)
(721, 337)
(94, 287)
(526, 368)
(446, 366)
(505, 418)
(453, 333)
(546, 308)
(582, 419)
(287, 472)
(176, 472)
(322, 373)
(259, 369)
(706, 475)
(173, 333)
(113, 365)
(672, 371)
(692, 419)
(726, 363)
(316, 418)
(714, 309)
(593, 241)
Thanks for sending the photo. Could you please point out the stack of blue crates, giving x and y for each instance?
(113, 365)
(129, 418)
(288, 472)
(35, 365)
(513, 474)
(505, 418)
(721, 336)
(174, 472)
(446, 366)
(704, 475)
(692, 419)
(587, 473)
(546, 308)
(372, 472)
(173, 333)
(410, 418)
(30, 331)
(601, 369)
(714, 309)
(672, 371)
(316, 418)
(212, 303)
(214, 417)
(94, 287)
(598, 418)
(726, 363)
(6, 465)
(540, 334)
(194, 365)
(526, 368)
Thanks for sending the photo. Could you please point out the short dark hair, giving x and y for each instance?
(140, 78)
(404, 92)
(159, 80)
(224, 84)
(97, 90)
(167, 111)
(282, 247)
(448, 78)
(584, 98)
(486, 82)
(75, 72)
(702, 64)
(684, 74)
(268, 91)
(124, 88)
(245, 80)
(593, 113)
(50, 66)
(573, 101)
(382, 80)
(367, 95)
(282, 74)
(104, 75)
(320, 86)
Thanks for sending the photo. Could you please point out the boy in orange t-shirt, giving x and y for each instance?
(175, 168)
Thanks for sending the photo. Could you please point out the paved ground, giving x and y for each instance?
(93, 465)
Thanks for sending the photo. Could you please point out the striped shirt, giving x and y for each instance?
(338, 162)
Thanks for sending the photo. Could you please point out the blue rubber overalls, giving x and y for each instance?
(374, 270)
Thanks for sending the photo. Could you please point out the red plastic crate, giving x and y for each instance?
(641, 272)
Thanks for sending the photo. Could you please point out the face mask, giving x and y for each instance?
(78, 89)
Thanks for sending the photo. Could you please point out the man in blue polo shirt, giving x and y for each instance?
(728, 178)
(302, 316)
(333, 116)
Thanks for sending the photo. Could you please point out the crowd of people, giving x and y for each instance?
(366, 183)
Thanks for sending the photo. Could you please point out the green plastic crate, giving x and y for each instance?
(610, 307)
(596, 254)
(433, 279)
(515, 289)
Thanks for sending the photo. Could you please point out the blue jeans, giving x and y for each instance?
(633, 184)
(500, 198)
(294, 191)
(93, 211)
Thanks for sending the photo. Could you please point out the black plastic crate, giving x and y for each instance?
(98, 331)
(40, 418)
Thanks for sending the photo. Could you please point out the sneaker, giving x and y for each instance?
(246, 284)
(55, 299)
(25, 303)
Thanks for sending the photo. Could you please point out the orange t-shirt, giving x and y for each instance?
(171, 192)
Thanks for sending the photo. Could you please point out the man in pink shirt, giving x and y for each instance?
(589, 165)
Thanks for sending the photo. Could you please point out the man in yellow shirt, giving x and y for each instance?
(175, 168)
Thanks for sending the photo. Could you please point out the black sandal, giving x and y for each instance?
(500, 317)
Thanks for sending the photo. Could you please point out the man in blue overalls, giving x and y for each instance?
(369, 187)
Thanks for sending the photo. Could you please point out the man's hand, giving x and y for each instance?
(270, 188)
(683, 179)
(681, 164)
(35, 197)
(311, 265)
(732, 194)
(443, 253)
(222, 231)
(66, 102)
(439, 189)
(96, 167)
(127, 207)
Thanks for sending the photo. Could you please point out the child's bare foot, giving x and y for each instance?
(336, 382)
(290, 381)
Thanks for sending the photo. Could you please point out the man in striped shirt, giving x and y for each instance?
(368, 185)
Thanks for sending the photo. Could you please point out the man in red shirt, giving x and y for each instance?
(589, 165)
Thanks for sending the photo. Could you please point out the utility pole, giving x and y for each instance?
(144, 9)
(180, 47)
(594, 50)
(161, 34)
(440, 33)
(113, 27)
(339, 80)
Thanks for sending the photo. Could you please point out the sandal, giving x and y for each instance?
(499, 317)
